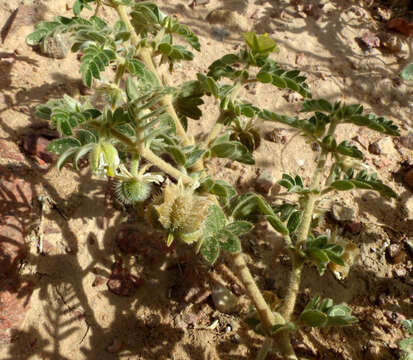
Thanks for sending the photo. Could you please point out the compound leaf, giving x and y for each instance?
(319, 105)
(94, 61)
(271, 72)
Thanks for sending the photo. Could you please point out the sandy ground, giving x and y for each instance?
(72, 313)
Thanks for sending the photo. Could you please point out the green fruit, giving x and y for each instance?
(133, 191)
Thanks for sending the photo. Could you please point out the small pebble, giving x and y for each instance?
(277, 136)
(374, 149)
(299, 58)
(342, 213)
(115, 346)
(393, 250)
(354, 227)
(315, 147)
(265, 182)
(408, 178)
(57, 46)
(382, 299)
(394, 317)
(401, 273)
(236, 339)
(224, 300)
(396, 254)
(370, 40)
(386, 146)
(300, 162)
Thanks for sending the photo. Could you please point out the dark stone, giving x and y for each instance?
(121, 282)
(408, 178)
(35, 145)
(396, 254)
(374, 148)
(354, 227)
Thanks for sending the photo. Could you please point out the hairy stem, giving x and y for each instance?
(152, 158)
(134, 166)
(295, 276)
(311, 200)
(285, 347)
(165, 167)
(292, 290)
(123, 14)
(265, 349)
(267, 317)
(123, 138)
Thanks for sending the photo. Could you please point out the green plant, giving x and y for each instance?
(406, 345)
(407, 72)
(144, 118)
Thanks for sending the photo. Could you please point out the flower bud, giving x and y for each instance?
(104, 158)
(347, 162)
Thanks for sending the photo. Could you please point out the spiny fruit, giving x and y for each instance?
(133, 190)
(182, 211)
(247, 134)
(136, 185)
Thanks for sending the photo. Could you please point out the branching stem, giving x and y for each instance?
(297, 267)
(267, 317)
(152, 158)
(166, 167)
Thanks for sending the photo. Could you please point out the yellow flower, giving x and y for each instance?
(350, 256)
(104, 158)
(347, 162)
